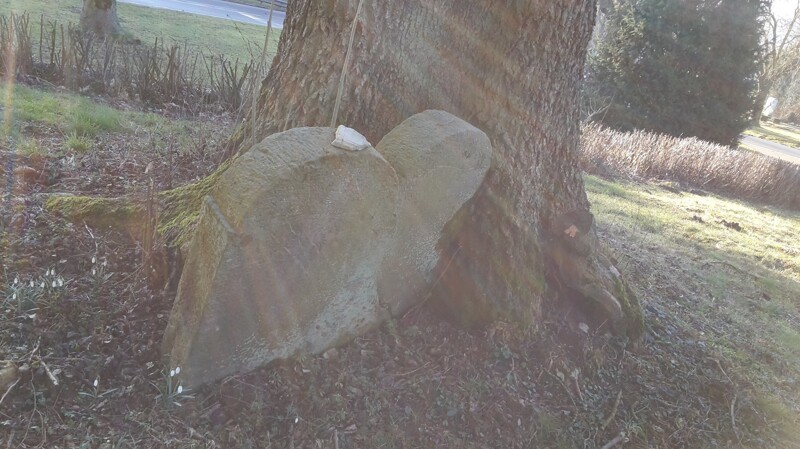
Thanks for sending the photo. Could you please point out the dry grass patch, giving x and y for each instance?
(721, 169)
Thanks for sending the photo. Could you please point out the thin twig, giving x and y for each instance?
(566, 388)
(338, 103)
(259, 73)
(8, 390)
(613, 411)
(719, 365)
(335, 438)
(733, 417)
(50, 374)
(618, 439)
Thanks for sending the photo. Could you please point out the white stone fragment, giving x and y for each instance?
(350, 139)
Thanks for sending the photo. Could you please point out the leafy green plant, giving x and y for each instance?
(95, 392)
(173, 392)
(41, 291)
(99, 276)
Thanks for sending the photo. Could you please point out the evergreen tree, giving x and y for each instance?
(681, 67)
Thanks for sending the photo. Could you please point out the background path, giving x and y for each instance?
(218, 8)
(772, 149)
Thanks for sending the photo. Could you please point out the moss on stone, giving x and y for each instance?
(120, 212)
(179, 209)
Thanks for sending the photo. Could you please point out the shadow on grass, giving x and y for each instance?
(737, 292)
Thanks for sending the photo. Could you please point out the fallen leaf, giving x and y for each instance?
(571, 231)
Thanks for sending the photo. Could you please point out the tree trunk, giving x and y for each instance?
(100, 17)
(764, 86)
(511, 68)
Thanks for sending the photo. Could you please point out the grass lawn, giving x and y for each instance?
(737, 290)
(781, 133)
(209, 35)
(78, 119)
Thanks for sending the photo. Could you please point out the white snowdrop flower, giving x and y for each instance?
(94, 272)
(31, 283)
(172, 373)
(177, 370)
(54, 284)
(179, 390)
(96, 381)
(14, 297)
(104, 262)
(94, 259)
(41, 285)
(296, 420)
(16, 280)
(60, 281)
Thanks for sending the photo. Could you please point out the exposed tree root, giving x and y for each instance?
(179, 210)
(581, 266)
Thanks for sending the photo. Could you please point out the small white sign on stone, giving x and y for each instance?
(349, 139)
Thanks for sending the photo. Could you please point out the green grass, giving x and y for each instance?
(72, 114)
(783, 134)
(29, 147)
(78, 119)
(77, 142)
(747, 282)
(789, 339)
(737, 291)
(209, 35)
(770, 237)
(90, 119)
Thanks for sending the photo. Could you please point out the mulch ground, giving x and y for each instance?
(85, 340)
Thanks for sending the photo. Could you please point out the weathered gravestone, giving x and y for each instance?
(297, 238)
(440, 161)
(285, 256)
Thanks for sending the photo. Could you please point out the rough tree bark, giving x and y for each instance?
(513, 69)
(100, 17)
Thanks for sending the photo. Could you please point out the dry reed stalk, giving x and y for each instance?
(259, 73)
(720, 169)
(338, 103)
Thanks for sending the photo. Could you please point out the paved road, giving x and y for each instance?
(772, 149)
(217, 8)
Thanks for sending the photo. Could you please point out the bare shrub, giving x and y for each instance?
(717, 168)
(156, 75)
(15, 44)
